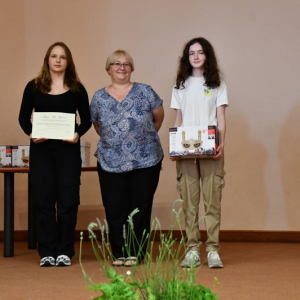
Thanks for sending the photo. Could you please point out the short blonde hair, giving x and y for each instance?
(116, 55)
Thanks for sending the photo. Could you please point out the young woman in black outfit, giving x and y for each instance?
(55, 165)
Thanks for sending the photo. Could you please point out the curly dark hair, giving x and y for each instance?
(43, 81)
(211, 70)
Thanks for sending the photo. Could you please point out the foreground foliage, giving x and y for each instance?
(159, 278)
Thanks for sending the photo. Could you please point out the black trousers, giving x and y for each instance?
(121, 194)
(55, 168)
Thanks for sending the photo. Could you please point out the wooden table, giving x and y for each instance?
(9, 202)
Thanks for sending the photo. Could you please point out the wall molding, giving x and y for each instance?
(225, 236)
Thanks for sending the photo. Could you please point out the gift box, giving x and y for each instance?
(85, 149)
(5, 156)
(85, 144)
(20, 156)
(193, 141)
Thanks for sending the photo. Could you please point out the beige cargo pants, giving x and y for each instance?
(211, 174)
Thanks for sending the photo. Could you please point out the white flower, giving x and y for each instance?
(128, 272)
(91, 226)
(177, 213)
(106, 226)
(174, 203)
(90, 229)
(124, 234)
(130, 221)
(100, 225)
(124, 231)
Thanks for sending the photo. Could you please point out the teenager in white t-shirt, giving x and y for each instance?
(199, 98)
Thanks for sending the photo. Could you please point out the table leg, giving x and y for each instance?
(8, 214)
(31, 219)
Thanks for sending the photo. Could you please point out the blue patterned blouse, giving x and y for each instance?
(128, 139)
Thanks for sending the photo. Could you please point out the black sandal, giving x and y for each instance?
(131, 262)
(119, 262)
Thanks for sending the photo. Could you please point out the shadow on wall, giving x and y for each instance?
(245, 200)
(289, 155)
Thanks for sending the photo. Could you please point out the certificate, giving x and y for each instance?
(56, 126)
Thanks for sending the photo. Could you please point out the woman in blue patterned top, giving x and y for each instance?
(127, 116)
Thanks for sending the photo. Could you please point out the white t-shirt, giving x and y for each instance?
(198, 103)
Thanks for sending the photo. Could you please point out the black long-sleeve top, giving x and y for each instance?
(68, 102)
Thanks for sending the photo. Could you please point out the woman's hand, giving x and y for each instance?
(220, 152)
(38, 140)
(222, 131)
(74, 140)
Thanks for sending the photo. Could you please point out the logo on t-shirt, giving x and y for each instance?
(207, 92)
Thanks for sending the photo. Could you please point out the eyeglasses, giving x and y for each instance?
(118, 65)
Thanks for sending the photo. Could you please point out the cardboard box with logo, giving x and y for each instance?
(85, 149)
(5, 156)
(20, 156)
(193, 141)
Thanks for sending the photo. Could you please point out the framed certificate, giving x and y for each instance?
(56, 126)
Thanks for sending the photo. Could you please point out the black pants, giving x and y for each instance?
(55, 168)
(121, 194)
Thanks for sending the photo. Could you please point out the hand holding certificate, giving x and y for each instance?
(56, 126)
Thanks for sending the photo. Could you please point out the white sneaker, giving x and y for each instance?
(47, 261)
(191, 260)
(214, 260)
(63, 261)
